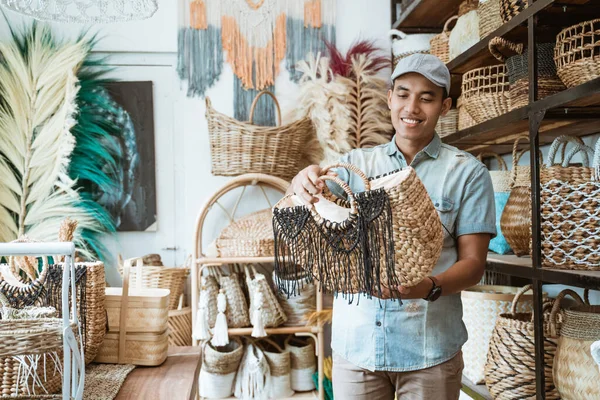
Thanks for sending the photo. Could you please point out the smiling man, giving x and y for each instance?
(413, 349)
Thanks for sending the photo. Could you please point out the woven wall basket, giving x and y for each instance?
(575, 372)
(489, 17)
(570, 199)
(238, 147)
(249, 236)
(485, 92)
(481, 307)
(577, 53)
(510, 365)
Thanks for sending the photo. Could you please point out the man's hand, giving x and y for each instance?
(419, 291)
(306, 184)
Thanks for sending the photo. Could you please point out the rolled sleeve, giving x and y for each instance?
(477, 213)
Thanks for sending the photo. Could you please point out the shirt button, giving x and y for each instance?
(378, 323)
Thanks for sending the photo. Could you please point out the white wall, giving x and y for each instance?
(147, 50)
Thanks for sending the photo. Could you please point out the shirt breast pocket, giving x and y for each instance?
(447, 212)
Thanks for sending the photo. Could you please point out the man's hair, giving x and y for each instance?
(445, 94)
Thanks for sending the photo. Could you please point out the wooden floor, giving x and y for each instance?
(175, 379)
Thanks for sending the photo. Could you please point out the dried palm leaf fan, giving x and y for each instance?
(364, 244)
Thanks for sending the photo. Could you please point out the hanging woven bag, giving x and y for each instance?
(265, 310)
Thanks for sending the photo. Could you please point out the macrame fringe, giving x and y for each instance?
(198, 15)
(29, 382)
(253, 378)
(312, 14)
(200, 58)
(346, 259)
(220, 333)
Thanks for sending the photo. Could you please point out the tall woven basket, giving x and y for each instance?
(439, 43)
(570, 199)
(575, 372)
(481, 307)
(485, 92)
(489, 17)
(577, 53)
(510, 366)
(238, 147)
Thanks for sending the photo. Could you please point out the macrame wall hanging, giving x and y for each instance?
(256, 36)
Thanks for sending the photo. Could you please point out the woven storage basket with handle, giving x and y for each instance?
(249, 236)
(577, 53)
(361, 242)
(510, 365)
(238, 147)
(481, 307)
(158, 277)
(219, 367)
(464, 35)
(489, 17)
(280, 365)
(439, 43)
(570, 208)
(485, 92)
(575, 372)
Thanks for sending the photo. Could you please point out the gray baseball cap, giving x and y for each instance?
(427, 65)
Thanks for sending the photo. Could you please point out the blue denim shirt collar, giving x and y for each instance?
(432, 149)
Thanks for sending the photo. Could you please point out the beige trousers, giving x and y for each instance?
(441, 382)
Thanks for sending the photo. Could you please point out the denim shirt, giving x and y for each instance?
(385, 335)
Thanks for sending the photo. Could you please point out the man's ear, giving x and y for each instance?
(446, 106)
(390, 92)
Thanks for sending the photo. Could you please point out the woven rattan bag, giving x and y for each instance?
(219, 367)
(250, 236)
(570, 208)
(510, 365)
(481, 306)
(501, 185)
(575, 372)
(265, 310)
(238, 147)
(388, 235)
(577, 53)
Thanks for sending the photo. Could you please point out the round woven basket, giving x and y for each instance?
(510, 8)
(280, 365)
(219, 367)
(481, 307)
(180, 327)
(577, 53)
(510, 365)
(303, 363)
(447, 124)
(489, 17)
(439, 43)
(485, 92)
(575, 372)
(250, 236)
(464, 118)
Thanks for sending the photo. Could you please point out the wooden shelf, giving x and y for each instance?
(477, 392)
(574, 111)
(285, 330)
(426, 15)
(234, 260)
(522, 267)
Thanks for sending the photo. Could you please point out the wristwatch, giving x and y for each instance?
(435, 292)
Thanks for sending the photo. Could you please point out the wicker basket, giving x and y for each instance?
(510, 365)
(575, 372)
(304, 363)
(570, 209)
(153, 277)
(447, 124)
(510, 8)
(280, 369)
(466, 6)
(237, 307)
(298, 303)
(464, 35)
(263, 300)
(515, 59)
(481, 307)
(404, 45)
(464, 118)
(180, 327)
(577, 53)
(219, 367)
(238, 147)
(489, 17)
(250, 236)
(485, 92)
(439, 43)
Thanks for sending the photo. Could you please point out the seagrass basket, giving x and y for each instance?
(489, 17)
(577, 53)
(180, 327)
(238, 147)
(485, 92)
(464, 118)
(447, 124)
(511, 8)
(439, 43)
(249, 236)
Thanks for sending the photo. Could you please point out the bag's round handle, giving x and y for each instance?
(503, 166)
(596, 161)
(446, 25)
(561, 142)
(352, 168)
(346, 189)
(556, 308)
(271, 342)
(503, 49)
(517, 298)
(516, 155)
(255, 101)
(396, 33)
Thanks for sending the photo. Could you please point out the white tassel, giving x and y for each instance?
(253, 378)
(201, 329)
(220, 334)
(257, 317)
